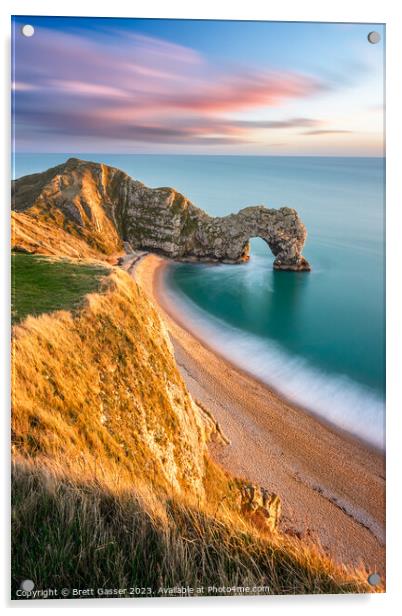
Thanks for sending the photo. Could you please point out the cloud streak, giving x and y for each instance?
(195, 130)
(326, 132)
(143, 89)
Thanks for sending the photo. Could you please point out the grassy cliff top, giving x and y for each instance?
(41, 284)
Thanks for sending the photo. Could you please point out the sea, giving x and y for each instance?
(317, 338)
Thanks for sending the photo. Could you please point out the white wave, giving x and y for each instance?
(336, 398)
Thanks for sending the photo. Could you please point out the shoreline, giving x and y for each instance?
(331, 483)
(159, 292)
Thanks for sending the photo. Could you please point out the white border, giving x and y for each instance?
(387, 11)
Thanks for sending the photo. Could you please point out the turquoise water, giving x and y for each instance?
(319, 338)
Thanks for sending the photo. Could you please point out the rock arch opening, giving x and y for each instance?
(256, 246)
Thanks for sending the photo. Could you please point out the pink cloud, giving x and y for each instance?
(142, 88)
(239, 92)
(82, 88)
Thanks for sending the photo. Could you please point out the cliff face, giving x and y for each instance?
(104, 206)
(76, 197)
(97, 393)
(227, 239)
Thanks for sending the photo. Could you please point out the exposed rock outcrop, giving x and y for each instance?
(260, 507)
(105, 207)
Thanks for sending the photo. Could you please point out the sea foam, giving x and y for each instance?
(337, 399)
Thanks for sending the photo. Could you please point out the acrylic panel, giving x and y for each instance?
(198, 319)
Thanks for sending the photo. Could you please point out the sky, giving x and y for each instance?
(197, 87)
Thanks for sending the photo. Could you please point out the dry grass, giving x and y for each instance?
(101, 387)
(32, 235)
(112, 486)
(80, 534)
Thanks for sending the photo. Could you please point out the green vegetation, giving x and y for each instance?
(190, 225)
(71, 534)
(42, 284)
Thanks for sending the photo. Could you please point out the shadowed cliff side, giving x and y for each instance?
(104, 207)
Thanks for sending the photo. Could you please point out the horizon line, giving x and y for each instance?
(197, 154)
